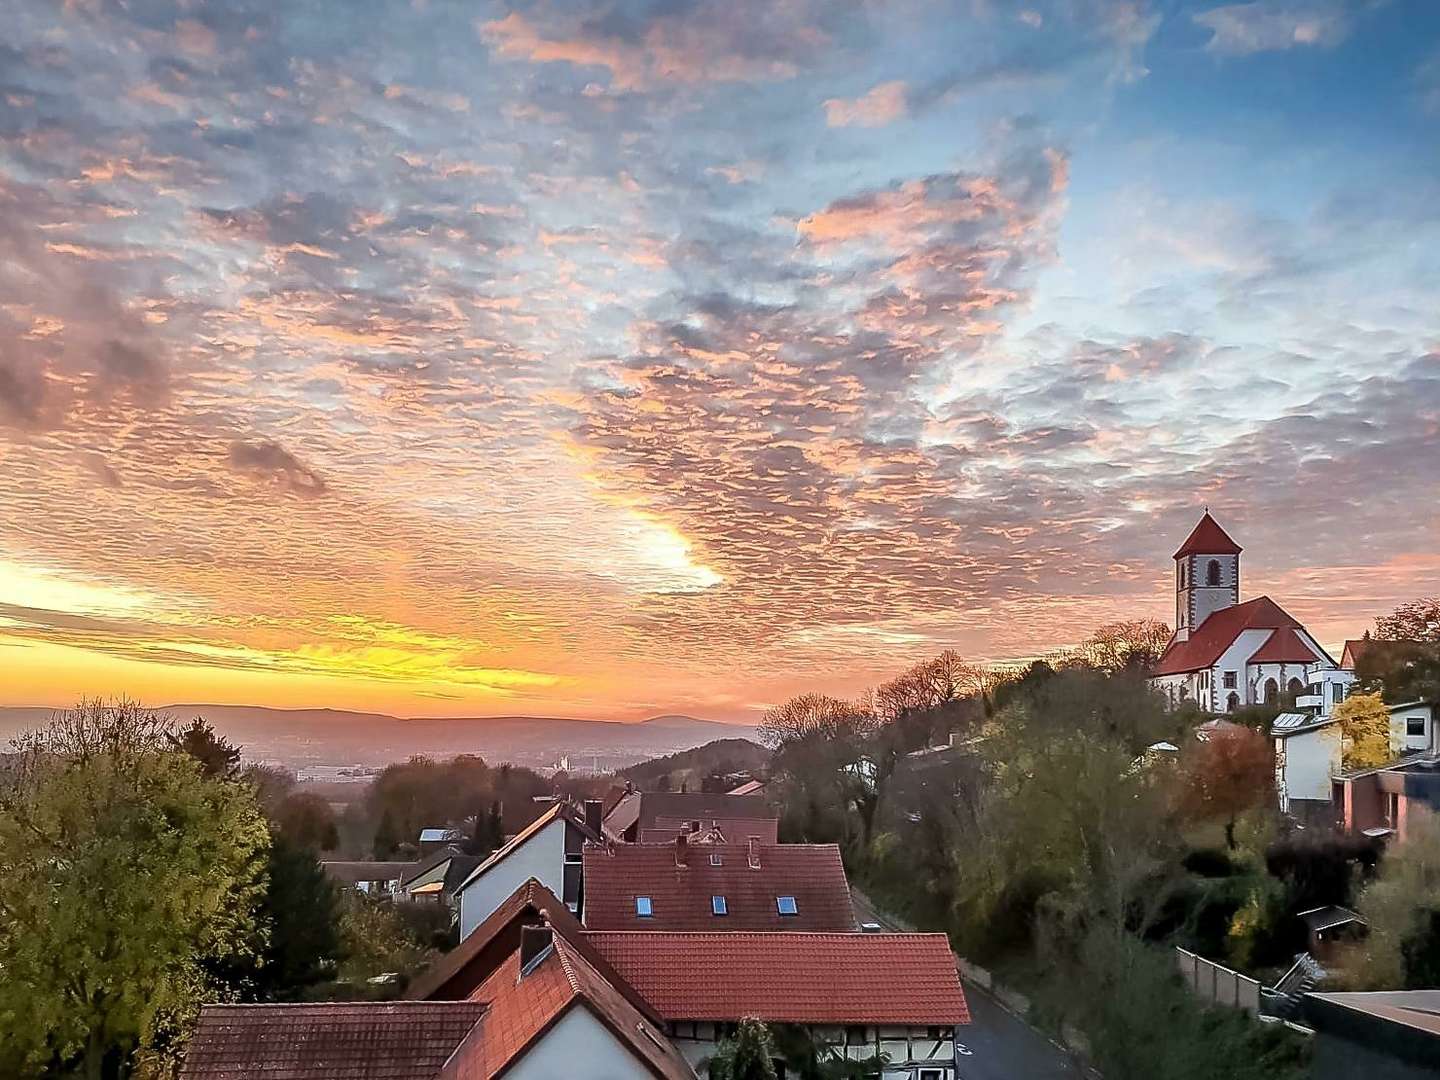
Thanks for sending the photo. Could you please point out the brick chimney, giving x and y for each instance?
(753, 852)
(594, 815)
(682, 849)
(534, 940)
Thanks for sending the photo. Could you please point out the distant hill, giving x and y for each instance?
(308, 737)
(720, 756)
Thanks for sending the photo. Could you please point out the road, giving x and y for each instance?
(1001, 1046)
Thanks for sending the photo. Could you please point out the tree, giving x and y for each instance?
(1128, 645)
(271, 783)
(1229, 772)
(303, 912)
(748, 1055)
(217, 757)
(127, 878)
(1417, 620)
(1402, 671)
(1402, 908)
(1365, 723)
(386, 838)
(307, 821)
(815, 714)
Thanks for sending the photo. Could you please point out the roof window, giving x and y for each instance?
(786, 905)
(643, 907)
(718, 906)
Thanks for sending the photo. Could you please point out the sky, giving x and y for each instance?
(608, 359)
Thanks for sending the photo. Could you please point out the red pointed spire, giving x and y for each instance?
(1208, 538)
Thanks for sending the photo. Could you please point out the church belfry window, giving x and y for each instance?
(1212, 573)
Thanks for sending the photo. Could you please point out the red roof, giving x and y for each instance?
(795, 978)
(1284, 647)
(401, 1040)
(523, 1007)
(1208, 641)
(463, 969)
(766, 830)
(1208, 538)
(680, 896)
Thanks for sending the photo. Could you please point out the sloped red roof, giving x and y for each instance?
(401, 1040)
(680, 896)
(459, 972)
(1284, 647)
(1208, 538)
(521, 1008)
(1209, 640)
(560, 810)
(798, 978)
(766, 830)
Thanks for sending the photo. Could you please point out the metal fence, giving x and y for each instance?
(1219, 984)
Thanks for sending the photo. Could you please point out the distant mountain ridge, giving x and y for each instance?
(301, 737)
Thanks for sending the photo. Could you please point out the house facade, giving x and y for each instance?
(1383, 801)
(1226, 654)
(548, 850)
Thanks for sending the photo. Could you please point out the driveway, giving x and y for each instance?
(997, 1045)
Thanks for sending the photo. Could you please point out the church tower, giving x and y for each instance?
(1207, 576)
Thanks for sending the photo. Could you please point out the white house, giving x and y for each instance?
(1412, 727)
(1224, 654)
(548, 849)
(1307, 757)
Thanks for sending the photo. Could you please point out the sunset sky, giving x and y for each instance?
(611, 359)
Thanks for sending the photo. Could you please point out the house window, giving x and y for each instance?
(855, 1036)
(1295, 686)
(932, 1074)
(643, 907)
(1414, 725)
(1272, 691)
(935, 1034)
(716, 859)
(1392, 809)
(1232, 702)
(1337, 693)
(717, 905)
(786, 905)
(1230, 682)
(1212, 573)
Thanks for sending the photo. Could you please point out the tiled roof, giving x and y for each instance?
(559, 810)
(1208, 538)
(733, 830)
(464, 968)
(624, 813)
(680, 896)
(1208, 641)
(657, 807)
(522, 1008)
(797, 978)
(406, 1040)
(1284, 647)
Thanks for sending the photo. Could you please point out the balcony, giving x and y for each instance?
(1310, 701)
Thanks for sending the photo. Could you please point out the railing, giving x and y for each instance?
(1218, 984)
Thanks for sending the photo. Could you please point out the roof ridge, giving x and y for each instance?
(561, 948)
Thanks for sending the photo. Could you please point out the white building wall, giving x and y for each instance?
(1307, 761)
(1402, 743)
(579, 1047)
(1236, 658)
(541, 857)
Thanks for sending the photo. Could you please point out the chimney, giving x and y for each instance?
(753, 853)
(682, 849)
(534, 940)
(594, 815)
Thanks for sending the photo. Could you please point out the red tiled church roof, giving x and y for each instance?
(1284, 647)
(1208, 538)
(680, 896)
(1208, 641)
(402, 1040)
(796, 978)
(522, 1008)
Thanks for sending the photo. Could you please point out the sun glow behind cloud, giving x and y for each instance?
(549, 358)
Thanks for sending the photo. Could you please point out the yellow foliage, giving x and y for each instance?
(1366, 724)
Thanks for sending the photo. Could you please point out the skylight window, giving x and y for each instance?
(786, 905)
(716, 860)
(643, 908)
(717, 905)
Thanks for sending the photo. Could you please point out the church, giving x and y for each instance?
(1224, 654)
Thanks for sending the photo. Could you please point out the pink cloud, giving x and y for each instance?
(878, 106)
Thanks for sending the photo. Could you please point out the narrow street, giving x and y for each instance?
(998, 1045)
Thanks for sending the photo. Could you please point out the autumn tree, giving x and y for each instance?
(815, 714)
(307, 821)
(1417, 620)
(130, 877)
(1127, 645)
(1227, 773)
(1365, 723)
(1402, 907)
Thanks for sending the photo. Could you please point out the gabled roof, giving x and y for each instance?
(622, 814)
(401, 1040)
(796, 978)
(367, 870)
(1284, 647)
(464, 968)
(523, 1007)
(661, 809)
(680, 896)
(1354, 649)
(1208, 538)
(1208, 641)
(560, 810)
